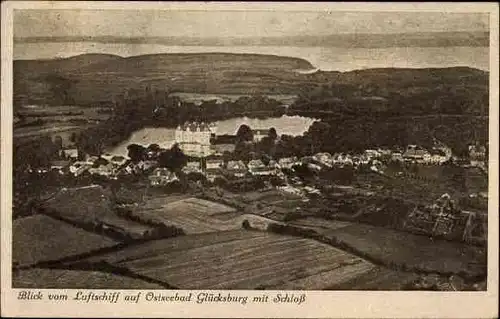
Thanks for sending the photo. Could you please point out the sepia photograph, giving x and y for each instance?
(216, 149)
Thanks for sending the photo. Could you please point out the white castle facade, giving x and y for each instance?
(194, 138)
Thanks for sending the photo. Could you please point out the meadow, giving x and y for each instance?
(239, 259)
(40, 238)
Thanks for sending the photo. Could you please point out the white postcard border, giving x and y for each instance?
(319, 304)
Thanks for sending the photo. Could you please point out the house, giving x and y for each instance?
(259, 134)
(236, 168)
(324, 158)
(77, 168)
(118, 161)
(70, 153)
(60, 166)
(477, 154)
(377, 166)
(107, 156)
(307, 160)
(273, 165)
(372, 154)
(141, 166)
(215, 163)
(192, 167)
(288, 162)
(291, 190)
(415, 153)
(312, 190)
(436, 156)
(262, 171)
(257, 167)
(212, 173)
(255, 164)
(314, 167)
(162, 176)
(103, 169)
(397, 157)
(384, 152)
(91, 159)
(342, 159)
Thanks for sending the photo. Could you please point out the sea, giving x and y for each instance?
(323, 58)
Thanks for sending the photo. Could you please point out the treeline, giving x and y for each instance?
(355, 134)
(400, 92)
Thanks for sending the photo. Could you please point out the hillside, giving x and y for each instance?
(92, 78)
(88, 79)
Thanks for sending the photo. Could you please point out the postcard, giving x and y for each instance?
(249, 160)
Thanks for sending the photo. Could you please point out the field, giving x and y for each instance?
(239, 260)
(62, 113)
(50, 129)
(422, 183)
(200, 97)
(90, 205)
(414, 251)
(40, 238)
(63, 121)
(378, 279)
(196, 215)
(75, 279)
(320, 225)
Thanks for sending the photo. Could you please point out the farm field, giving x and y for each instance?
(414, 251)
(195, 215)
(64, 130)
(47, 129)
(41, 238)
(75, 279)
(90, 205)
(239, 260)
(378, 279)
(200, 97)
(319, 224)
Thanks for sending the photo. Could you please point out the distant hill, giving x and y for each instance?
(85, 79)
(63, 65)
(92, 78)
(353, 40)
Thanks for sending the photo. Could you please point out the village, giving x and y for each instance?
(207, 164)
(194, 139)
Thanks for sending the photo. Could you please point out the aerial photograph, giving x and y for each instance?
(257, 150)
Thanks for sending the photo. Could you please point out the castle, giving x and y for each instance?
(194, 138)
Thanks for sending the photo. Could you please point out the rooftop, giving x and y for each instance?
(195, 126)
(260, 131)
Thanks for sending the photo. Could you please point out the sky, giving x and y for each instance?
(144, 23)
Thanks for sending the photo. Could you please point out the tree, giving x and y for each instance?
(100, 161)
(245, 133)
(272, 134)
(136, 152)
(154, 148)
(58, 143)
(173, 159)
(242, 151)
(73, 137)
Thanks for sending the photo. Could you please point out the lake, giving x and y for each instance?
(165, 137)
(324, 58)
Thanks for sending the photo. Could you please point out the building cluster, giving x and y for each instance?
(195, 138)
(444, 218)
